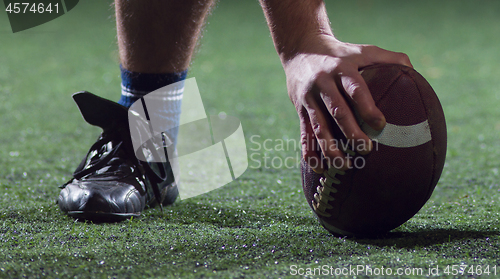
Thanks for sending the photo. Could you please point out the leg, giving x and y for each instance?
(156, 40)
(162, 39)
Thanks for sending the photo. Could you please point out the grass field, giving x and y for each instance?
(259, 226)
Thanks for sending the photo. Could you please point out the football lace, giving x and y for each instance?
(324, 192)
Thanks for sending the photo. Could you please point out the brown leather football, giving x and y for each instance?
(391, 184)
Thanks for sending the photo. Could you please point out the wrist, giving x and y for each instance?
(313, 43)
(293, 23)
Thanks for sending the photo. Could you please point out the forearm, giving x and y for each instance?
(293, 22)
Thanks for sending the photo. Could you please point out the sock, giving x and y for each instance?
(136, 85)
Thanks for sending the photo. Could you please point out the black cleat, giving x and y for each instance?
(111, 184)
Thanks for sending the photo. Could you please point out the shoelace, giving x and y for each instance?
(102, 157)
(154, 177)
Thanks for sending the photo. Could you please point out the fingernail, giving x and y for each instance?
(365, 148)
(379, 124)
(319, 170)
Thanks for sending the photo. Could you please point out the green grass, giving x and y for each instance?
(259, 225)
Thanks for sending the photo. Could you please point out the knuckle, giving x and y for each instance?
(306, 140)
(308, 96)
(340, 113)
(404, 58)
(321, 77)
(351, 86)
(318, 129)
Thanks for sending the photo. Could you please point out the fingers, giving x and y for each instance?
(316, 123)
(357, 90)
(376, 55)
(309, 144)
(320, 126)
(343, 115)
(325, 104)
(361, 99)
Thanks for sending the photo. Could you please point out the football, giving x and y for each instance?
(385, 188)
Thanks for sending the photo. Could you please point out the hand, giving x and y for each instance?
(324, 82)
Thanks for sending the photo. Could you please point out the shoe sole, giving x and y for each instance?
(101, 217)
